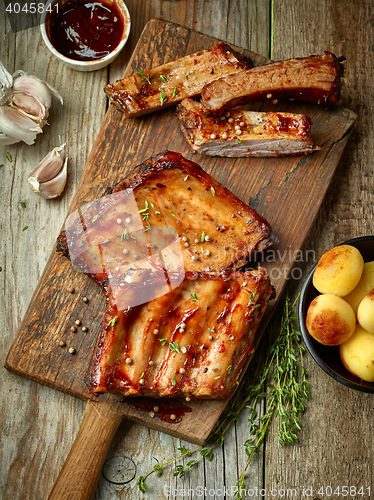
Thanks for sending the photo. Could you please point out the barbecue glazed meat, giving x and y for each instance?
(183, 202)
(314, 79)
(177, 345)
(168, 84)
(163, 244)
(244, 133)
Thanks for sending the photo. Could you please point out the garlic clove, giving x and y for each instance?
(6, 82)
(47, 169)
(54, 187)
(18, 126)
(6, 140)
(30, 106)
(38, 88)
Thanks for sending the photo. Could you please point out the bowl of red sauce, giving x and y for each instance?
(85, 35)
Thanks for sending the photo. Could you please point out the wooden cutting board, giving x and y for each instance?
(286, 191)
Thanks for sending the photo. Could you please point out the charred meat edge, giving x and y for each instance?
(137, 95)
(315, 79)
(262, 134)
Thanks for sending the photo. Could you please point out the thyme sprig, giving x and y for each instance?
(277, 375)
(142, 75)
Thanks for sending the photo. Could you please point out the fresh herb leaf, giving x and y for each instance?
(172, 213)
(185, 178)
(188, 74)
(206, 453)
(24, 159)
(142, 75)
(173, 381)
(216, 378)
(163, 341)
(142, 375)
(95, 218)
(24, 229)
(193, 297)
(1, 269)
(203, 236)
(228, 369)
(112, 322)
(212, 330)
(157, 212)
(144, 209)
(182, 449)
(9, 157)
(105, 241)
(213, 191)
(175, 92)
(173, 346)
(125, 236)
(251, 297)
(152, 206)
(239, 141)
(23, 204)
(163, 78)
(163, 96)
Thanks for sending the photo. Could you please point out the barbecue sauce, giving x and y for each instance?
(167, 407)
(84, 30)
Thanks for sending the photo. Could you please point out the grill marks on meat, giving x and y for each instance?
(163, 287)
(181, 193)
(314, 79)
(260, 133)
(168, 84)
(202, 361)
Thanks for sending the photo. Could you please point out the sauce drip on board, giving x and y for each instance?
(84, 30)
(167, 407)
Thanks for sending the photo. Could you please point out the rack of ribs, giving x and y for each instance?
(166, 245)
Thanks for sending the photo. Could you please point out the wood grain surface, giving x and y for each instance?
(286, 191)
(38, 424)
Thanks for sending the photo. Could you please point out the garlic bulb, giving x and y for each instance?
(27, 96)
(49, 178)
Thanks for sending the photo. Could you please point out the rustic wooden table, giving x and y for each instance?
(38, 425)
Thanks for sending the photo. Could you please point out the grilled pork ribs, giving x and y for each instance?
(165, 244)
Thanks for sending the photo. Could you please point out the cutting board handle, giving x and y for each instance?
(80, 473)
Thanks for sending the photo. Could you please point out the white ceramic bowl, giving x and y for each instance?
(96, 63)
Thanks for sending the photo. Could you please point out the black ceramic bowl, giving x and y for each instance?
(327, 357)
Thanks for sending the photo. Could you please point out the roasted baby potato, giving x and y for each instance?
(357, 354)
(364, 286)
(365, 312)
(338, 270)
(330, 320)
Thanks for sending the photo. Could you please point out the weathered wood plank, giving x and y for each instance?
(29, 448)
(35, 420)
(333, 450)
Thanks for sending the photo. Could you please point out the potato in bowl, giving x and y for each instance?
(327, 357)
